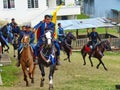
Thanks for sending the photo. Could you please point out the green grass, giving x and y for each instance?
(112, 31)
(72, 76)
(75, 76)
(10, 73)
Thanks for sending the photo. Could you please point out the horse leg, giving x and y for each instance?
(14, 53)
(30, 70)
(41, 66)
(25, 75)
(98, 65)
(90, 60)
(84, 55)
(33, 71)
(52, 68)
(102, 64)
(68, 54)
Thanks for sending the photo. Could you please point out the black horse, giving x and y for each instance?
(66, 45)
(97, 53)
(47, 58)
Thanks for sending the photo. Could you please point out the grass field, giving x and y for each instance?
(72, 76)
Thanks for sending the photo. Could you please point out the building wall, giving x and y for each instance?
(103, 7)
(21, 12)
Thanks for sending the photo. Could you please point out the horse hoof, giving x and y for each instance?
(106, 69)
(50, 87)
(27, 85)
(84, 64)
(14, 55)
(32, 81)
(42, 83)
(91, 65)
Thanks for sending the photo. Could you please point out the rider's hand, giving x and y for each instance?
(33, 30)
(43, 21)
(48, 61)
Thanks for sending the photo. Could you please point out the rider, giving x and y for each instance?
(16, 29)
(61, 33)
(12, 23)
(93, 36)
(26, 31)
(3, 38)
(43, 25)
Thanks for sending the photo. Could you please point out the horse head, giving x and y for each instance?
(107, 46)
(25, 40)
(48, 37)
(70, 36)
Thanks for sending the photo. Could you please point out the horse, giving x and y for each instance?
(47, 58)
(26, 60)
(97, 53)
(66, 45)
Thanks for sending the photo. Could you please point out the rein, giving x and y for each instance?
(67, 43)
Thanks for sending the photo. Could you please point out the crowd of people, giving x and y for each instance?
(42, 26)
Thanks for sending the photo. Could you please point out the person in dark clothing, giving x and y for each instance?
(93, 36)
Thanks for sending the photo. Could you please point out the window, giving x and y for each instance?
(8, 4)
(47, 4)
(77, 2)
(59, 2)
(32, 3)
(64, 18)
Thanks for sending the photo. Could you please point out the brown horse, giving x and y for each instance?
(26, 60)
(97, 53)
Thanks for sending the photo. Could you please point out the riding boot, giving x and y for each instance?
(92, 53)
(18, 62)
(36, 60)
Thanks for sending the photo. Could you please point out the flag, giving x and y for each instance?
(54, 19)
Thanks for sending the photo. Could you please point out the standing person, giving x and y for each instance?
(61, 33)
(46, 24)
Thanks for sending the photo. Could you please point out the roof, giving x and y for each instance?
(116, 9)
(85, 23)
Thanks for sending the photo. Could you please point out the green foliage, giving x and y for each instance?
(82, 16)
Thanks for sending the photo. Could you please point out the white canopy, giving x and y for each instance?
(85, 23)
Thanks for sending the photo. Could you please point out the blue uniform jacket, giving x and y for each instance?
(42, 26)
(60, 31)
(30, 33)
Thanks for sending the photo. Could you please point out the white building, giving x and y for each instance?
(32, 11)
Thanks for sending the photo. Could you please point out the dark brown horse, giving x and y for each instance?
(66, 45)
(97, 53)
(26, 60)
(47, 58)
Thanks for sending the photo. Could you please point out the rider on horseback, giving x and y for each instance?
(61, 33)
(46, 24)
(25, 31)
(12, 24)
(93, 36)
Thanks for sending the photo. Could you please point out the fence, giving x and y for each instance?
(79, 43)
